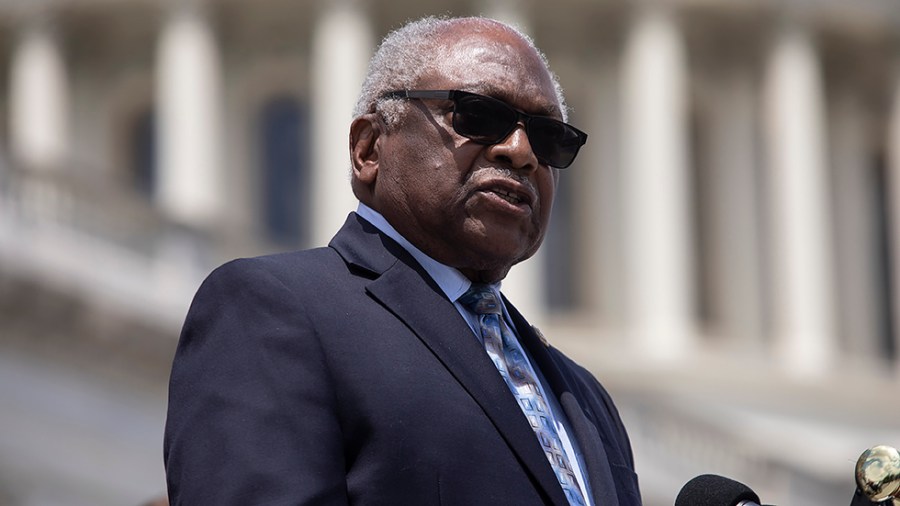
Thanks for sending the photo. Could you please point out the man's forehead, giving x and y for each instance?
(502, 65)
(496, 45)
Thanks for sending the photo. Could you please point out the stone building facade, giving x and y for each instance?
(725, 253)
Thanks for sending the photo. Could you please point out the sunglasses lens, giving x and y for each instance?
(488, 121)
(483, 119)
(553, 142)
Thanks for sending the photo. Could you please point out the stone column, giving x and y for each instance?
(189, 117)
(803, 309)
(893, 155)
(656, 185)
(39, 98)
(342, 45)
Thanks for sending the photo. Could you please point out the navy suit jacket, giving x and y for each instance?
(343, 375)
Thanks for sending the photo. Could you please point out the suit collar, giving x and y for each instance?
(404, 288)
(452, 282)
(362, 246)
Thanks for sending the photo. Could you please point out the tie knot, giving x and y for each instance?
(480, 299)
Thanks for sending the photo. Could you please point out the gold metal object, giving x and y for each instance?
(878, 474)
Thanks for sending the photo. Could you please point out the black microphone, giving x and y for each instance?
(713, 490)
(860, 499)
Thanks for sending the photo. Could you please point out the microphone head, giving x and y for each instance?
(878, 473)
(713, 490)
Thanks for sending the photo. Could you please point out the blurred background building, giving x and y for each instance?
(725, 253)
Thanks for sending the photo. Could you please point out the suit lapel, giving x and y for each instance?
(407, 291)
(596, 461)
(600, 477)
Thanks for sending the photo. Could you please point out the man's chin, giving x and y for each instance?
(492, 266)
(485, 275)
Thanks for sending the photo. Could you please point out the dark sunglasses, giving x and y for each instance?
(487, 120)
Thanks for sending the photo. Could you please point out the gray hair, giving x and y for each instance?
(414, 50)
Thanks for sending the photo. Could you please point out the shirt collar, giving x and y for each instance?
(452, 282)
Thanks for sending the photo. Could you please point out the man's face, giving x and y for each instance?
(474, 207)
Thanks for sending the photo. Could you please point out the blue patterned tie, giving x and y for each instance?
(504, 350)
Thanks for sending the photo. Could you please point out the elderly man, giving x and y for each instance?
(386, 369)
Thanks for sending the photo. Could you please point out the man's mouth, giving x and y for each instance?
(511, 197)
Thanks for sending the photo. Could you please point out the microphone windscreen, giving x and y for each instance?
(713, 490)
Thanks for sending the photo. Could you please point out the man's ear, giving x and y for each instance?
(365, 149)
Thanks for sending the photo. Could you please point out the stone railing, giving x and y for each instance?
(97, 235)
(674, 443)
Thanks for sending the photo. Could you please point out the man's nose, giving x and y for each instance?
(514, 150)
